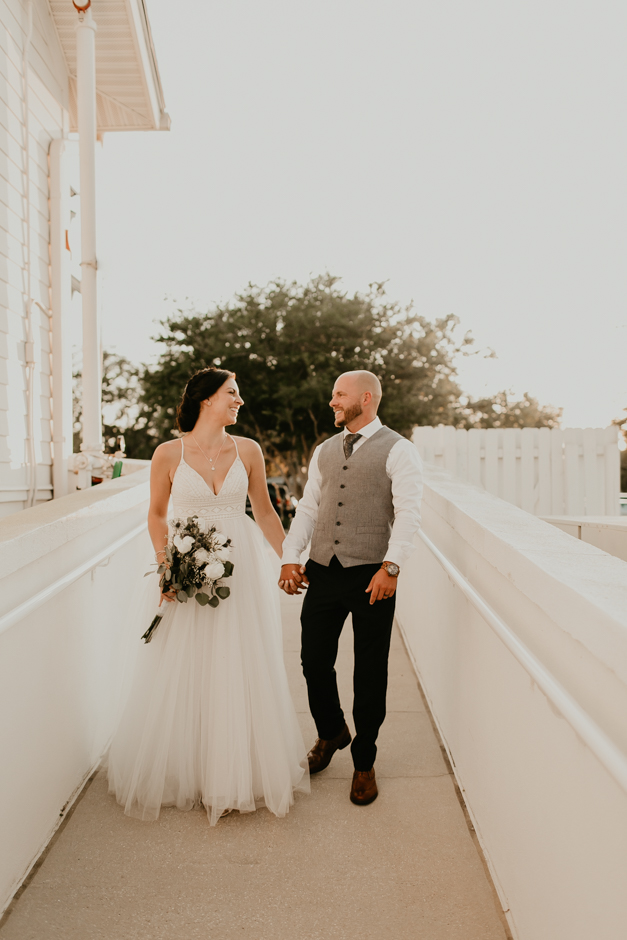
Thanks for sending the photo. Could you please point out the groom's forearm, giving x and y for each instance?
(304, 522)
(298, 538)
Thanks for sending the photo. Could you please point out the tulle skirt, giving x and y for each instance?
(210, 719)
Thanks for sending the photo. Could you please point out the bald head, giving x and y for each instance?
(363, 381)
(356, 398)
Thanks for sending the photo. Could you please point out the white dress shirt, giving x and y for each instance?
(404, 469)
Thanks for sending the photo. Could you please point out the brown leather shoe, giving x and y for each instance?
(321, 753)
(364, 787)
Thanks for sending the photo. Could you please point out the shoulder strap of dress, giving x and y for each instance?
(182, 451)
(235, 442)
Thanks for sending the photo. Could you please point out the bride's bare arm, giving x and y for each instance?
(263, 510)
(160, 486)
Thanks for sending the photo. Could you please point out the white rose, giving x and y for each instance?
(183, 543)
(201, 556)
(222, 553)
(214, 571)
(220, 538)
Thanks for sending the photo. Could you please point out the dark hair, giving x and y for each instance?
(202, 385)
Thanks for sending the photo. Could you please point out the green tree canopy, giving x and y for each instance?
(500, 411)
(287, 343)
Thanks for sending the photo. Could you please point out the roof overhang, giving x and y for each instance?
(128, 88)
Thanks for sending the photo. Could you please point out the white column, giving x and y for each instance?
(86, 107)
(61, 284)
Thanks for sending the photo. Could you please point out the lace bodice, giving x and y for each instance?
(191, 495)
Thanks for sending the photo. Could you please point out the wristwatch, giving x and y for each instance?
(392, 569)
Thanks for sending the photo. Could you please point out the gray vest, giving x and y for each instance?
(356, 511)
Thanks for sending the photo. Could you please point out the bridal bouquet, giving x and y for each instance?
(196, 562)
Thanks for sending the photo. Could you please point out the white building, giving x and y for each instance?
(42, 259)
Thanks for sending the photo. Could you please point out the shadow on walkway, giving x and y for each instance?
(403, 867)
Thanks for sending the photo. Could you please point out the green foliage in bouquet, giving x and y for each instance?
(196, 563)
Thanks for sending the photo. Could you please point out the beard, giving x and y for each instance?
(350, 413)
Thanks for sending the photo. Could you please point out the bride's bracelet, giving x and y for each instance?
(162, 552)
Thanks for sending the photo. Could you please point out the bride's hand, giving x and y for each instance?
(170, 594)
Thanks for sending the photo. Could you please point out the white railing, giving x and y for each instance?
(610, 757)
(70, 570)
(547, 472)
(609, 533)
(518, 634)
(38, 600)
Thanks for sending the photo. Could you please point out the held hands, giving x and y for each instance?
(293, 578)
(381, 586)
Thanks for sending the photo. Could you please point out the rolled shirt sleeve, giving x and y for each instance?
(305, 518)
(404, 468)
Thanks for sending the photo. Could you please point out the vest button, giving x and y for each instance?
(337, 542)
(344, 467)
(340, 504)
(342, 486)
(338, 523)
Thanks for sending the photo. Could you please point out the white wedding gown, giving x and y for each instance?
(210, 718)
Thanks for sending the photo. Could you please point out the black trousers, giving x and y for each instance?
(333, 594)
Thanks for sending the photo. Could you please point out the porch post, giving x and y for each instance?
(86, 108)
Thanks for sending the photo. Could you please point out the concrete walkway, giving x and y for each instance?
(404, 867)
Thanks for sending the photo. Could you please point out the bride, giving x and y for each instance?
(210, 719)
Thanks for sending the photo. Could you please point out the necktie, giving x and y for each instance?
(349, 443)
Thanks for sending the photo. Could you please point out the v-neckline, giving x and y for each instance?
(213, 493)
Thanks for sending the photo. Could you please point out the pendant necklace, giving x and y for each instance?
(212, 460)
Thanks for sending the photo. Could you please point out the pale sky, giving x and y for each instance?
(474, 155)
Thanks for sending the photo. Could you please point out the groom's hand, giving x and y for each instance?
(293, 577)
(381, 586)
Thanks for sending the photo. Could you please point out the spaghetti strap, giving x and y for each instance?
(182, 460)
(236, 447)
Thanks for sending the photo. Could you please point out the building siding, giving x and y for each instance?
(48, 102)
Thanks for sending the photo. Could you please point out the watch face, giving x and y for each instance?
(392, 570)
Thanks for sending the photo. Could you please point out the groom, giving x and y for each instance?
(361, 510)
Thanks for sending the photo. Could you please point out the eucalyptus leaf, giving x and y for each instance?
(228, 569)
(182, 597)
(213, 601)
(223, 592)
(168, 554)
(202, 598)
(168, 574)
(147, 573)
(189, 590)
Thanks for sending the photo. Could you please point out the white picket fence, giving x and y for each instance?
(546, 472)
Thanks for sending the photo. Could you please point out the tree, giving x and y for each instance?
(121, 406)
(500, 412)
(287, 343)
